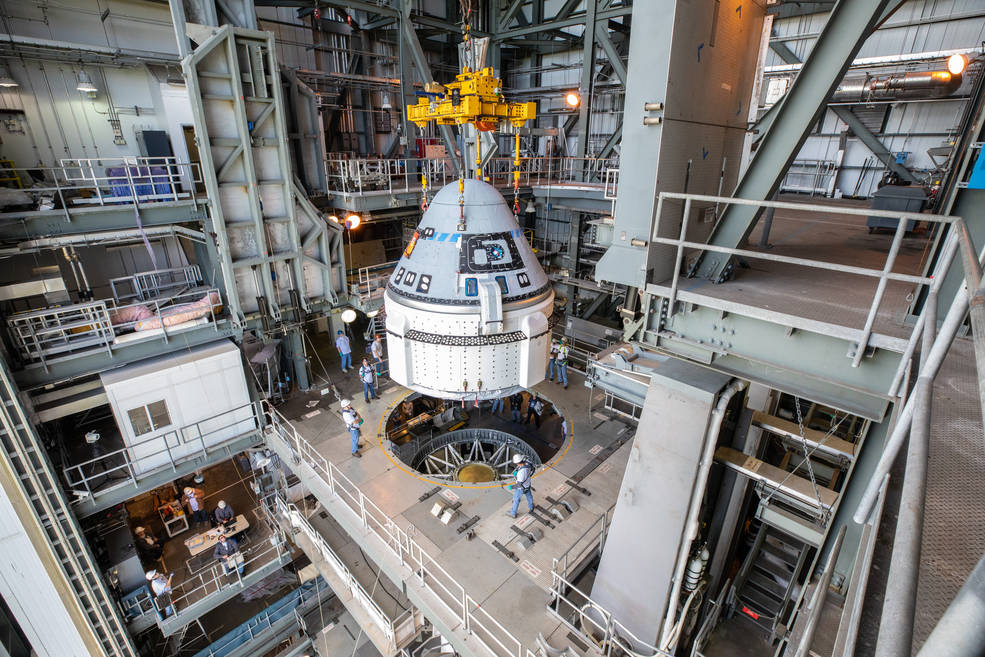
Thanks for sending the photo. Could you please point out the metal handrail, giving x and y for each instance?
(427, 572)
(600, 528)
(372, 279)
(75, 475)
(149, 284)
(609, 634)
(215, 579)
(88, 181)
(296, 520)
(933, 281)
(40, 334)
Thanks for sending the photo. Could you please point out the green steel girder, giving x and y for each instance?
(796, 356)
(844, 113)
(72, 367)
(410, 41)
(848, 25)
(20, 226)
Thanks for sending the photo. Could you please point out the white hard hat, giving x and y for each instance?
(346, 402)
(189, 490)
(139, 530)
(517, 459)
(150, 574)
(222, 504)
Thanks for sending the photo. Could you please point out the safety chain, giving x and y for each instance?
(803, 444)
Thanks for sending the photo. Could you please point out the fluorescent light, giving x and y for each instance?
(85, 84)
(6, 80)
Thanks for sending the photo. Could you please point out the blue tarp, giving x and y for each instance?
(263, 621)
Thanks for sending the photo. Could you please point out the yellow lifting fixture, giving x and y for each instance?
(475, 97)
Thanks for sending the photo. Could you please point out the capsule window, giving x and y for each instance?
(424, 285)
(400, 276)
(503, 286)
(523, 279)
(471, 287)
(410, 278)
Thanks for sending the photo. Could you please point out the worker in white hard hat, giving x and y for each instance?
(562, 362)
(522, 488)
(551, 360)
(147, 544)
(223, 514)
(160, 586)
(194, 499)
(352, 421)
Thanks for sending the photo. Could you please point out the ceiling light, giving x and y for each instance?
(572, 99)
(956, 64)
(6, 80)
(85, 84)
(386, 102)
(531, 208)
(348, 315)
(373, 313)
(352, 221)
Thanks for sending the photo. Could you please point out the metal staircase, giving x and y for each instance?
(22, 454)
(768, 579)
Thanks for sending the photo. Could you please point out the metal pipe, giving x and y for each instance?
(953, 320)
(820, 593)
(694, 507)
(848, 627)
(959, 631)
(896, 625)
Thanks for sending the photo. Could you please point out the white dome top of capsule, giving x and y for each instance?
(443, 265)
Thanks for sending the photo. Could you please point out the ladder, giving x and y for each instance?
(768, 579)
(22, 453)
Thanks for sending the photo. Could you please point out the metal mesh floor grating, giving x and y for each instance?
(954, 524)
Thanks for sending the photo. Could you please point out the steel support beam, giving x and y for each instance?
(587, 78)
(557, 24)
(413, 44)
(613, 141)
(846, 30)
(844, 113)
(609, 48)
(511, 11)
(872, 142)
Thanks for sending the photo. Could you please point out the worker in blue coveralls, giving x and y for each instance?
(522, 488)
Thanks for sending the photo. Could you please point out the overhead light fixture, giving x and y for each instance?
(6, 80)
(572, 99)
(956, 64)
(386, 102)
(348, 315)
(531, 209)
(352, 221)
(373, 313)
(85, 83)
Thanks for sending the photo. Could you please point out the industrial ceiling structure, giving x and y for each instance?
(492, 328)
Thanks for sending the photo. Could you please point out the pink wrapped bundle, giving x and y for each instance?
(181, 313)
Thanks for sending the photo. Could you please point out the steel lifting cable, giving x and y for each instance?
(803, 444)
(773, 489)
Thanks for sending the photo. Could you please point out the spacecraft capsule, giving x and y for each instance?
(468, 305)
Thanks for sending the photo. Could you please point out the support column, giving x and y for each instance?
(848, 25)
(587, 76)
(650, 523)
(294, 346)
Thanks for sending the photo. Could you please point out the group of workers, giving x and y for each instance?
(226, 550)
(557, 360)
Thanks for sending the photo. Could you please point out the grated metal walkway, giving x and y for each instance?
(954, 524)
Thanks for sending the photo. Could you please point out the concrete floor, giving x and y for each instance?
(500, 582)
